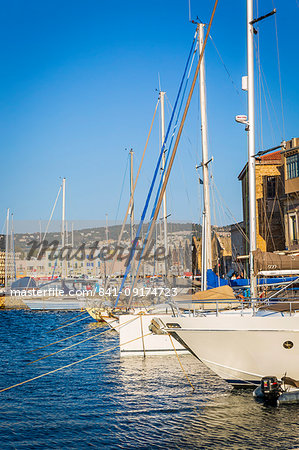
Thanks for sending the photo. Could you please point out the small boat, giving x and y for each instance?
(59, 295)
(273, 391)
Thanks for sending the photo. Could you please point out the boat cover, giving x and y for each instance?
(272, 261)
(219, 293)
(23, 283)
(213, 281)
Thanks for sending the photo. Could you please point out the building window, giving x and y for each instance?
(293, 228)
(271, 187)
(293, 166)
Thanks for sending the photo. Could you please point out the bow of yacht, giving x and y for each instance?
(242, 348)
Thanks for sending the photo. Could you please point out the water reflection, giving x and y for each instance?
(123, 402)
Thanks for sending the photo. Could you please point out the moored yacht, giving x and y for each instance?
(243, 348)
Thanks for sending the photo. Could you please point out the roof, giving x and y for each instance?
(275, 156)
(269, 158)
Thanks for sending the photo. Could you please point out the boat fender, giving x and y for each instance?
(289, 397)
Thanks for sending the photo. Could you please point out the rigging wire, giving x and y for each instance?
(167, 156)
(227, 71)
(260, 110)
(270, 98)
(134, 187)
(223, 63)
(122, 189)
(133, 249)
(231, 214)
(279, 75)
(174, 151)
(52, 212)
(3, 227)
(182, 168)
(265, 84)
(268, 110)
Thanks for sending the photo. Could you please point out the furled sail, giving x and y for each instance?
(266, 261)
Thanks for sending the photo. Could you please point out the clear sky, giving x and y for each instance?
(78, 85)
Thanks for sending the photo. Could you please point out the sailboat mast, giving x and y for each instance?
(63, 225)
(12, 237)
(162, 94)
(206, 231)
(132, 197)
(6, 249)
(107, 244)
(251, 145)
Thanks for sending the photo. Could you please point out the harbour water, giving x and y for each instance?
(121, 403)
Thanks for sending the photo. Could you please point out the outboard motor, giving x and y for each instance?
(271, 389)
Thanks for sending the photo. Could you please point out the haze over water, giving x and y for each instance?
(122, 403)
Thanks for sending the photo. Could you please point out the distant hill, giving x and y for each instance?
(90, 235)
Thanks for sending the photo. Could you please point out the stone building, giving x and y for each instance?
(2, 260)
(290, 161)
(270, 195)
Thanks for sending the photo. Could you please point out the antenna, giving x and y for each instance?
(159, 81)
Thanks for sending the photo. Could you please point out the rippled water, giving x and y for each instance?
(122, 403)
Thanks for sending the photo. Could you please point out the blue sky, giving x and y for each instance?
(78, 86)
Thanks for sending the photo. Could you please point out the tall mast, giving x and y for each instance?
(132, 202)
(63, 225)
(12, 237)
(6, 249)
(40, 231)
(251, 145)
(206, 253)
(107, 230)
(72, 247)
(162, 94)
(131, 196)
(107, 243)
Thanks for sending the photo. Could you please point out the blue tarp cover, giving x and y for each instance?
(23, 283)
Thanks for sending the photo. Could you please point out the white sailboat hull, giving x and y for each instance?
(54, 303)
(101, 315)
(137, 340)
(242, 350)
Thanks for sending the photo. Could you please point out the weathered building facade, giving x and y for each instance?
(269, 176)
(290, 160)
(277, 199)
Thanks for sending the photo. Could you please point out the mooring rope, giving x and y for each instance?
(68, 324)
(60, 340)
(69, 320)
(70, 346)
(177, 355)
(69, 365)
(84, 340)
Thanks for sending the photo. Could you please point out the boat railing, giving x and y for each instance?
(217, 306)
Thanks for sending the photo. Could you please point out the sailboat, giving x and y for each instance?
(59, 293)
(134, 328)
(135, 338)
(132, 323)
(244, 348)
